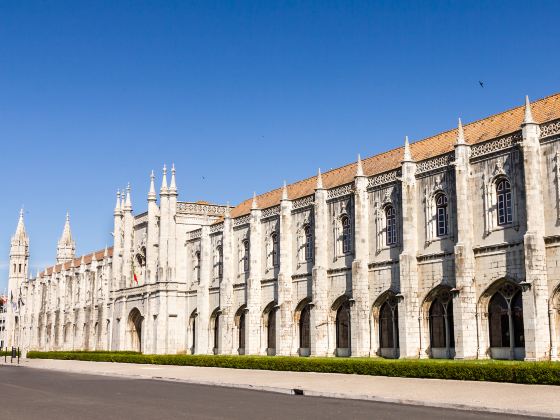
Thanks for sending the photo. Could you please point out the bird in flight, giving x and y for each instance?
(481, 83)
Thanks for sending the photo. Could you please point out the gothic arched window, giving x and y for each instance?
(503, 202)
(220, 261)
(346, 235)
(275, 246)
(197, 265)
(245, 255)
(343, 326)
(441, 215)
(390, 225)
(308, 243)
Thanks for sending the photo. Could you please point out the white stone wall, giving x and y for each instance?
(97, 305)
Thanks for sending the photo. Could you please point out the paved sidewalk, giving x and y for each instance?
(536, 400)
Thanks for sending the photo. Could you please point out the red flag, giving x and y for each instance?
(134, 271)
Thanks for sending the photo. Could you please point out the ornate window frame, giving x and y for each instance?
(502, 169)
(439, 188)
(380, 213)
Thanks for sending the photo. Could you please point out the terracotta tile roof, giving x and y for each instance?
(77, 261)
(544, 110)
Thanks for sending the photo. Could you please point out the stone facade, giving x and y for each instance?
(446, 248)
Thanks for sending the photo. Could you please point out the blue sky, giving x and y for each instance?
(240, 95)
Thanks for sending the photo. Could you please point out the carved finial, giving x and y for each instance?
(528, 114)
(359, 167)
(228, 212)
(118, 205)
(106, 252)
(407, 154)
(128, 202)
(285, 192)
(254, 204)
(319, 180)
(460, 133)
(164, 180)
(152, 192)
(173, 184)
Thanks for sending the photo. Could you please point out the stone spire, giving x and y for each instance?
(359, 167)
(163, 189)
(460, 133)
(105, 252)
(118, 205)
(407, 154)
(319, 185)
(173, 184)
(152, 193)
(20, 240)
(128, 202)
(528, 113)
(20, 229)
(66, 248)
(254, 204)
(285, 191)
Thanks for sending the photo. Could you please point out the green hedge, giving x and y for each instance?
(495, 371)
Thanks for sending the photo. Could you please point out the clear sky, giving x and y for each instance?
(240, 95)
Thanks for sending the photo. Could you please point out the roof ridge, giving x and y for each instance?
(394, 150)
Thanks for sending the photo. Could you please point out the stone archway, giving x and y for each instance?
(134, 330)
(302, 323)
(342, 326)
(438, 325)
(555, 323)
(240, 327)
(385, 325)
(501, 307)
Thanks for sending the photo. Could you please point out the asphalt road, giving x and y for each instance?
(41, 394)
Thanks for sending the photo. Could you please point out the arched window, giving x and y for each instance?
(216, 332)
(441, 215)
(389, 327)
(441, 325)
(241, 329)
(245, 255)
(343, 329)
(346, 234)
(275, 246)
(505, 316)
(503, 195)
(220, 261)
(390, 225)
(305, 327)
(197, 265)
(308, 243)
(271, 332)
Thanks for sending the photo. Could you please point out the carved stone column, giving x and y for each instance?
(464, 297)
(285, 319)
(319, 316)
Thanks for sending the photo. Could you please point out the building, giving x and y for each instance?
(3, 312)
(447, 248)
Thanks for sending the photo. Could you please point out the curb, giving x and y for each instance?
(304, 392)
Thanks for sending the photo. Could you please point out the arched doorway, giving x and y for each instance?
(269, 324)
(385, 325)
(505, 323)
(442, 334)
(215, 328)
(192, 332)
(240, 324)
(304, 327)
(135, 330)
(343, 327)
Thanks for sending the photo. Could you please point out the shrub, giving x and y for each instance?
(495, 371)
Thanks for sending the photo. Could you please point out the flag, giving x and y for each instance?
(134, 272)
